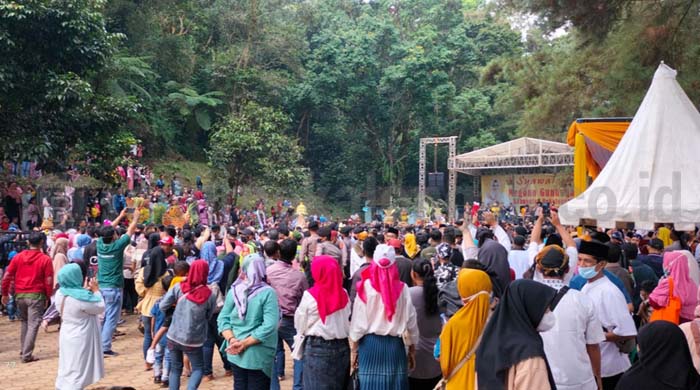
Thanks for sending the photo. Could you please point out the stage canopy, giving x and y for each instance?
(595, 140)
(652, 175)
(518, 153)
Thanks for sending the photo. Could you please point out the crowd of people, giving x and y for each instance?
(482, 302)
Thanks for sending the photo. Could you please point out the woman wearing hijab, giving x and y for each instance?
(59, 254)
(410, 246)
(424, 295)
(59, 259)
(495, 257)
(248, 322)
(664, 361)
(323, 317)
(511, 353)
(194, 305)
(462, 331)
(149, 287)
(677, 273)
(80, 359)
(216, 272)
(382, 313)
(75, 254)
(216, 267)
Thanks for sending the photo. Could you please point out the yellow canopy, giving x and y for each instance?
(604, 133)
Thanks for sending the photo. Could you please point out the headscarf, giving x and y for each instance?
(693, 269)
(216, 267)
(495, 257)
(250, 282)
(511, 335)
(156, 267)
(676, 267)
(328, 286)
(410, 245)
(383, 275)
(195, 286)
(60, 246)
(664, 361)
(76, 253)
(59, 254)
(70, 278)
(463, 329)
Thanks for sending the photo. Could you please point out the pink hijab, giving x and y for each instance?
(328, 286)
(676, 267)
(383, 275)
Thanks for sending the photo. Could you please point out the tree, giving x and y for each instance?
(250, 147)
(52, 50)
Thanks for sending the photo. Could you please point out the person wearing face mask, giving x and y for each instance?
(572, 345)
(611, 309)
(511, 354)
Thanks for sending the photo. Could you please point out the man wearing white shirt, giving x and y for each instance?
(572, 345)
(518, 257)
(611, 308)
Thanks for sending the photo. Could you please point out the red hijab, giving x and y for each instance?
(383, 275)
(196, 284)
(328, 286)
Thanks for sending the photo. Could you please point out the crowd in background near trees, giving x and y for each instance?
(519, 302)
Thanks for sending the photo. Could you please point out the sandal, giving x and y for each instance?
(30, 360)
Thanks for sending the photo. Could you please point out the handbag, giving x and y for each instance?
(442, 385)
(672, 311)
(298, 346)
(354, 382)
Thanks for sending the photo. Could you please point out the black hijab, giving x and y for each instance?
(664, 360)
(154, 259)
(495, 257)
(511, 335)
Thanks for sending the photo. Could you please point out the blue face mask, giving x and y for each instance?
(587, 272)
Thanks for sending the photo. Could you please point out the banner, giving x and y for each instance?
(528, 189)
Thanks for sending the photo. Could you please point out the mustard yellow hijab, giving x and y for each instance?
(463, 329)
(409, 243)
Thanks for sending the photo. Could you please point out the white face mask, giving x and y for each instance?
(547, 322)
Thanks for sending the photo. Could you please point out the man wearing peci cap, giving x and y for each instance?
(611, 308)
(326, 246)
(654, 259)
(572, 345)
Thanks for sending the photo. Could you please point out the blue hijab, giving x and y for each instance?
(216, 267)
(70, 278)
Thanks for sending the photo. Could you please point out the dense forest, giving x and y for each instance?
(323, 94)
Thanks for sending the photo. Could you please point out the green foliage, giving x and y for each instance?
(250, 148)
(189, 103)
(49, 99)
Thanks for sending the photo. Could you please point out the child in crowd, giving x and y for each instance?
(157, 352)
(645, 309)
(11, 307)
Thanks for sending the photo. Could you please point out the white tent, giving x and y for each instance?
(652, 177)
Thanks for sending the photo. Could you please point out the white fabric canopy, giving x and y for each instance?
(652, 177)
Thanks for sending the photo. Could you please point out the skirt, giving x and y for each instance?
(382, 363)
(326, 363)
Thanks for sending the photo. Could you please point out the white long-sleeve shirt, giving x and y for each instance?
(370, 318)
(307, 320)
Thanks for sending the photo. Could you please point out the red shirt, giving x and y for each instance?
(32, 272)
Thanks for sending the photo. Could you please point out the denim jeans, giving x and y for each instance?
(161, 368)
(286, 334)
(326, 363)
(147, 337)
(213, 338)
(196, 361)
(113, 309)
(244, 379)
